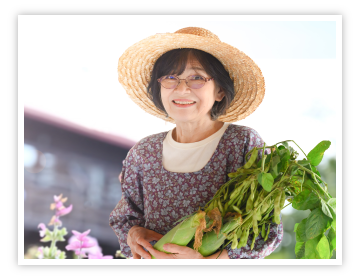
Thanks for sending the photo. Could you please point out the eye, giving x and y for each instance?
(170, 77)
(196, 77)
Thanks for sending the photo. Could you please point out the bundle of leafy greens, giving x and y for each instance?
(252, 200)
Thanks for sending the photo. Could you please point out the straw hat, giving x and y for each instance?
(136, 64)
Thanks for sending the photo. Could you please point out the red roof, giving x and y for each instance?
(70, 126)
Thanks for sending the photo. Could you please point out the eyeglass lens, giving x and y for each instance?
(194, 82)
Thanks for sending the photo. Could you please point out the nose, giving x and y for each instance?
(182, 86)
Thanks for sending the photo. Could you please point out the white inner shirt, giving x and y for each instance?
(189, 157)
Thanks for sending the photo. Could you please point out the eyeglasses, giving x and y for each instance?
(192, 81)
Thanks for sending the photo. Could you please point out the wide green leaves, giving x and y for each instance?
(266, 180)
(316, 223)
(315, 156)
(276, 172)
(305, 200)
(300, 250)
(332, 239)
(301, 231)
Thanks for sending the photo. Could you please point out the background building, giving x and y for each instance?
(83, 165)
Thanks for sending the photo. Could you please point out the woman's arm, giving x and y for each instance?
(129, 211)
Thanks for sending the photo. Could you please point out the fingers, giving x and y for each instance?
(135, 255)
(155, 236)
(140, 250)
(160, 255)
(176, 249)
(181, 252)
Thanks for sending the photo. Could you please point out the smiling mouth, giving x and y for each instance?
(183, 102)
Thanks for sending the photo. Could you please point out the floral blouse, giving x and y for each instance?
(155, 198)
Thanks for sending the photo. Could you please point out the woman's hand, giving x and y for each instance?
(177, 252)
(139, 237)
(183, 252)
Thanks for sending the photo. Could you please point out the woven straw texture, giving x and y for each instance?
(136, 64)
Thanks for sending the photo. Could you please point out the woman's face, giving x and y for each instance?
(203, 98)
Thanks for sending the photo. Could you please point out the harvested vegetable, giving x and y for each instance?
(253, 199)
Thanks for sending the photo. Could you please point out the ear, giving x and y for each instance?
(219, 95)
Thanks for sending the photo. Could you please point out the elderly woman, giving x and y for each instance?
(202, 85)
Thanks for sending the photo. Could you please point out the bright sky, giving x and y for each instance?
(68, 68)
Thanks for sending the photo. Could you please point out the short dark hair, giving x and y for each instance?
(174, 63)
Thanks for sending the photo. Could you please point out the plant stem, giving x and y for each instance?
(286, 205)
(263, 158)
(308, 170)
(299, 148)
(317, 183)
(53, 241)
(287, 141)
(302, 182)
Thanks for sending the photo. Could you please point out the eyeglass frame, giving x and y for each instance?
(179, 81)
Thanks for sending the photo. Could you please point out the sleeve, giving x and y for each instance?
(130, 209)
(251, 139)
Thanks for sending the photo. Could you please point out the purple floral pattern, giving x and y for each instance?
(155, 198)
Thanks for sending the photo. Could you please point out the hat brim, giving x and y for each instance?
(136, 64)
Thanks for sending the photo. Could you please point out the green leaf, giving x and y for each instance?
(314, 169)
(47, 238)
(294, 169)
(332, 207)
(309, 184)
(284, 155)
(286, 145)
(332, 203)
(332, 240)
(295, 226)
(323, 248)
(316, 224)
(325, 209)
(46, 252)
(315, 155)
(305, 200)
(284, 158)
(310, 248)
(274, 166)
(300, 250)
(333, 224)
(62, 255)
(265, 180)
(275, 161)
(303, 162)
(252, 159)
(301, 231)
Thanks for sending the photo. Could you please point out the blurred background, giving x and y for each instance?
(79, 123)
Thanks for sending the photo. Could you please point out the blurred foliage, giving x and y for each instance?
(286, 250)
(31, 252)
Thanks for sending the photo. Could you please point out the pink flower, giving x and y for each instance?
(40, 253)
(79, 252)
(99, 255)
(63, 211)
(55, 221)
(80, 236)
(43, 229)
(92, 250)
(79, 242)
(58, 202)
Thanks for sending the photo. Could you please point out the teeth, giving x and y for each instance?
(178, 102)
